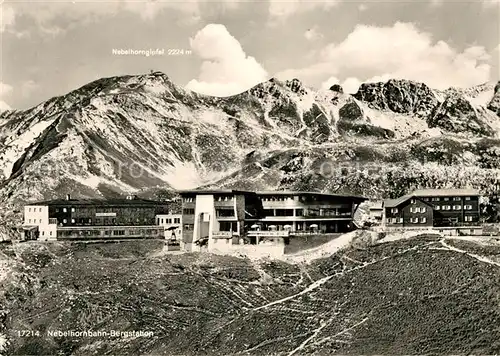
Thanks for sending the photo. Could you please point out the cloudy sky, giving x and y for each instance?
(49, 48)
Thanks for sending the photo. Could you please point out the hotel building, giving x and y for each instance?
(83, 219)
(236, 217)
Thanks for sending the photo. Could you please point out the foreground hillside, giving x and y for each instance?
(417, 296)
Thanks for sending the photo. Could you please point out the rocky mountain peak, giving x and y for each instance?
(337, 88)
(296, 86)
(400, 96)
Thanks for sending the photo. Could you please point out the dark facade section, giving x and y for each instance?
(445, 208)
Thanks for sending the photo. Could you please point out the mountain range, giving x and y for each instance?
(143, 133)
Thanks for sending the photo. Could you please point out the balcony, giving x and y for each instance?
(224, 234)
(282, 233)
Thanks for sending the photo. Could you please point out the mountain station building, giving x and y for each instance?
(228, 219)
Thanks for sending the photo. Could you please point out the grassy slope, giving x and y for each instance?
(403, 297)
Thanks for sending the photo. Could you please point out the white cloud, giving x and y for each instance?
(312, 34)
(54, 17)
(5, 89)
(400, 51)
(227, 70)
(350, 85)
(280, 10)
(329, 82)
(7, 17)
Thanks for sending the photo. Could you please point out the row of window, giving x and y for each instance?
(34, 210)
(188, 211)
(311, 212)
(224, 213)
(108, 232)
(88, 221)
(279, 198)
(420, 220)
(422, 210)
(455, 207)
(188, 200)
(224, 198)
(436, 207)
(168, 221)
(35, 221)
(412, 220)
(413, 201)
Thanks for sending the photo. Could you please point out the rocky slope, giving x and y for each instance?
(419, 296)
(133, 133)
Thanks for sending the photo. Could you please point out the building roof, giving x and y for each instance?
(444, 192)
(392, 203)
(284, 192)
(421, 193)
(213, 191)
(101, 202)
(274, 192)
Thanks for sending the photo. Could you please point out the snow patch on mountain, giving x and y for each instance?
(14, 146)
(402, 125)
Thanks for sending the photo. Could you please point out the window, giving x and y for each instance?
(437, 207)
(72, 221)
(446, 207)
(400, 220)
(468, 218)
(413, 201)
(188, 211)
(435, 199)
(40, 221)
(395, 210)
(65, 210)
(423, 209)
(423, 220)
(50, 233)
(446, 199)
(72, 210)
(29, 221)
(65, 221)
(456, 198)
(224, 213)
(177, 220)
(457, 207)
(467, 198)
(40, 210)
(468, 207)
(43, 233)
